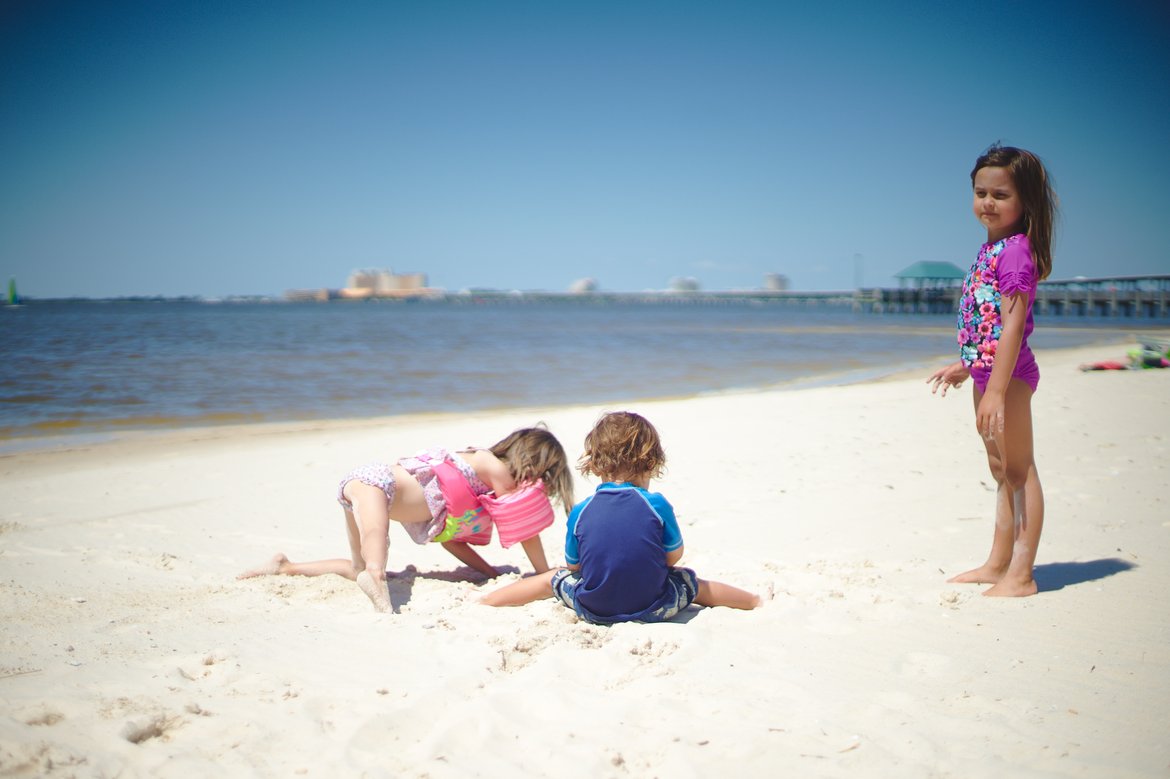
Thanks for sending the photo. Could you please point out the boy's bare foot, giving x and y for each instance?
(984, 574)
(270, 568)
(1006, 588)
(376, 591)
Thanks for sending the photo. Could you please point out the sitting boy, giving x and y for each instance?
(622, 542)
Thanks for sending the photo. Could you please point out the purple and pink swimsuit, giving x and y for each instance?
(1003, 268)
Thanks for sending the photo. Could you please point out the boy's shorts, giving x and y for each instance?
(682, 587)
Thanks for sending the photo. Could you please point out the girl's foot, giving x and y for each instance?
(376, 591)
(984, 574)
(270, 568)
(1007, 588)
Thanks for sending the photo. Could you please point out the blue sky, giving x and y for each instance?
(219, 148)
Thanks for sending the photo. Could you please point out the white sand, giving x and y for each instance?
(130, 650)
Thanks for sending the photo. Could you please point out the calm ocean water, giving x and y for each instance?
(85, 367)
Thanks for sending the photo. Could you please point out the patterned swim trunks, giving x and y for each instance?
(682, 587)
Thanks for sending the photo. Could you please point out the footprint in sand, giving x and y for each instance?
(42, 717)
(158, 726)
(202, 666)
(649, 652)
(518, 653)
(952, 599)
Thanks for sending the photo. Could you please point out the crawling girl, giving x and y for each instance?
(452, 498)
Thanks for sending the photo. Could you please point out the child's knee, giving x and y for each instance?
(1016, 476)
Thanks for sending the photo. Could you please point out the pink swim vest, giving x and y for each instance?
(519, 515)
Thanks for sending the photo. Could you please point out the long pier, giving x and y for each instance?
(1144, 297)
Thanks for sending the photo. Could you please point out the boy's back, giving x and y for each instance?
(619, 535)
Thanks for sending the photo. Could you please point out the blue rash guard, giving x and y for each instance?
(620, 536)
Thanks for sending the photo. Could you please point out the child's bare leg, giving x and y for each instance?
(720, 594)
(535, 551)
(371, 526)
(271, 567)
(280, 565)
(1003, 537)
(469, 556)
(1027, 496)
(519, 593)
(1001, 541)
(368, 526)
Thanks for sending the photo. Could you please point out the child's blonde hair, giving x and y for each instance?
(532, 453)
(1036, 195)
(621, 446)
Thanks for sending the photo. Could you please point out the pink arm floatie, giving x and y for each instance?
(520, 515)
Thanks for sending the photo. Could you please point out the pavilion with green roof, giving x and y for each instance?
(922, 275)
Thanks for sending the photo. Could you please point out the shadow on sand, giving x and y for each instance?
(1056, 576)
(401, 583)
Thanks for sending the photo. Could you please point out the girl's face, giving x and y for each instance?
(997, 204)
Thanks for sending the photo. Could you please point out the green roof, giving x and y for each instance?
(931, 271)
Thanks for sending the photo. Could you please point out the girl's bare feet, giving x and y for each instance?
(1009, 588)
(269, 568)
(376, 591)
(984, 574)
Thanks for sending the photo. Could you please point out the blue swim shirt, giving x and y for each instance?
(620, 536)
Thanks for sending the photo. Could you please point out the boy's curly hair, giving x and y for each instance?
(621, 446)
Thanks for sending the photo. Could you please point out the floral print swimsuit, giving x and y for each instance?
(1003, 268)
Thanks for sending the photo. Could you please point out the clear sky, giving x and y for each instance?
(218, 148)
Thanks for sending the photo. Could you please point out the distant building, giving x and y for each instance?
(385, 283)
(384, 280)
(930, 274)
(584, 286)
(775, 282)
(684, 284)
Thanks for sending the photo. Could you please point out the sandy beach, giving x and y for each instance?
(129, 649)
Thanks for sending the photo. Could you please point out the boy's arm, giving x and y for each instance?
(672, 540)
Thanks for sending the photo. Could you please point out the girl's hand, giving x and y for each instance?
(951, 376)
(989, 415)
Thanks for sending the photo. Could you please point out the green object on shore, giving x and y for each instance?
(13, 298)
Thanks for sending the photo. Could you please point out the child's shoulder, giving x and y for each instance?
(490, 469)
(1015, 253)
(655, 499)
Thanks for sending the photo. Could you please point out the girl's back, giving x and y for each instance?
(490, 469)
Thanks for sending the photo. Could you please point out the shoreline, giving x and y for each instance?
(131, 648)
(103, 435)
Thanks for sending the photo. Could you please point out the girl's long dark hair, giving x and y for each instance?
(1036, 195)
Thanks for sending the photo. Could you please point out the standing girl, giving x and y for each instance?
(451, 498)
(1015, 202)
